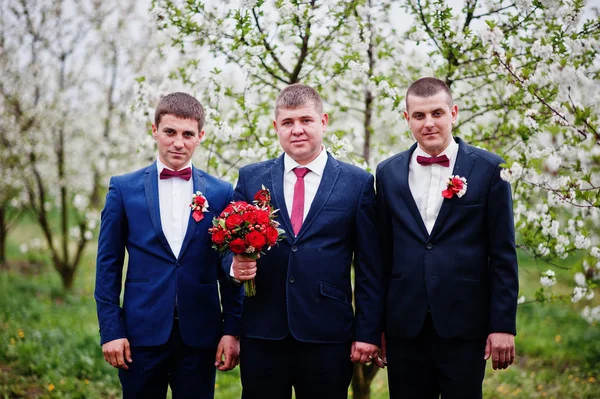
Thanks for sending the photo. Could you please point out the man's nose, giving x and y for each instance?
(297, 128)
(428, 121)
(178, 141)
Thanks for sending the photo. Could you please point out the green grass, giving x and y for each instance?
(49, 342)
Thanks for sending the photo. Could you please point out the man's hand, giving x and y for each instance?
(362, 352)
(116, 352)
(501, 347)
(243, 268)
(381, 359)
(228, 353)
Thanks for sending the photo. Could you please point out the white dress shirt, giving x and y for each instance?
(426, 183)
(175, 197)
(311, 180)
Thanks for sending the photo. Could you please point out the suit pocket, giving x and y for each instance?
(137, 280)
(334, 209)
(331, 291)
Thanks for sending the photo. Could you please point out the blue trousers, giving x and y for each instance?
(269, 369)
(189, 371)
(427, 366)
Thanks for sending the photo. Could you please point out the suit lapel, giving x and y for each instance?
(462, 167)
(199, 185)
(401, 176)
(151, 191)
(279, 197)
(326, 187)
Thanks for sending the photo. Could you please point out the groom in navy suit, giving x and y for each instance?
(172, 328)
(451, 264)
(300, 330)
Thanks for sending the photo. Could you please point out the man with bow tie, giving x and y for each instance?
(300, 329)
(449, 251)
(172, 328)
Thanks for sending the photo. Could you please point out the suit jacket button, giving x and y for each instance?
(291, 280)
(429, 245)
(294, 248)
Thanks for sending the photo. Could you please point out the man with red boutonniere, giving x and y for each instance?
(173, 328)
(446, 223)
(300, 330)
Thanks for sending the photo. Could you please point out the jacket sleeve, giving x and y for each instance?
(503, 269)
(232, 296)
(368, 291)
(109, 265)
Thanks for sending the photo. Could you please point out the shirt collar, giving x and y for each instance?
(450, 151)
(160, 166)
(316, 166)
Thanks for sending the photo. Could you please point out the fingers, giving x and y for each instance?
(244, 268)
(128, 353)
(230, 362)
(488, 349)
(219, 356)
(115, 352)
(363, 353)
(380, 362)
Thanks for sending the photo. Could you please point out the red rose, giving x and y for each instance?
(237, 246)
(218, 236)
(262, 217)
(256, 240)
(233, 221)
(227, 210)
(199, 200)
(272, 234)
(262, 196)
(249, 216)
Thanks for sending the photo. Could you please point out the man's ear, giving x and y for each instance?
(324, 121)
(200, 137)
(454, 113)
(154, 132)
(406, 116)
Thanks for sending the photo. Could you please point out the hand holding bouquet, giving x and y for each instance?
(248, 229)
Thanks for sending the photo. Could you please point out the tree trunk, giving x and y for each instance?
(361, 380)
(67, 275)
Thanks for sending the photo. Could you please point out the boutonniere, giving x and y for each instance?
(199, 205)
(455, 185)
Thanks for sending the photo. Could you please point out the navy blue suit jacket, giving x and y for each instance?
(304, 283)
(131, 220)
(465, 271)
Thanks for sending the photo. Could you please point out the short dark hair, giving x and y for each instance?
(297, 95)
(181, 105)
(427, 87)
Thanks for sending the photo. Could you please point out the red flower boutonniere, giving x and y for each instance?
(455, 185)
(199, 205)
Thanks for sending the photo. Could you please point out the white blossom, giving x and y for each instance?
(548, 278)
(580, 279)
(553, 163)
(582, 242)
(591, 314)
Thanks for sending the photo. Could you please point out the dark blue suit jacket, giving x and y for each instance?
(304, 284)
(131, 220)
(466, 269)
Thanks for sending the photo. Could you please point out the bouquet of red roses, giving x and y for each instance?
(248, 229)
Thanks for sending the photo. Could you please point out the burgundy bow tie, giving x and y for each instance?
(185, 174)
(442, 160)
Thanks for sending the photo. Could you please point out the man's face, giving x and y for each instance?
(430, 120)
(300, 132)
(177, 140)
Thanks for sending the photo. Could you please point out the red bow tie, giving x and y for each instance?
(185, 174)
(442, 160)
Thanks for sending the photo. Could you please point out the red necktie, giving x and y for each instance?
(442, 160)
(298, 204)
(185, 174)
